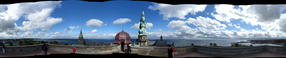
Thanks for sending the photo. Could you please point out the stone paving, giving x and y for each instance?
(32, 54)
(148, 51)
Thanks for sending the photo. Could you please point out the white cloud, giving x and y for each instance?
(71, 28)
(36, 11)
(211, 29)
(94, 23)
(101, 36)
(148, 25)
(178, 11)
(28, 34)
(269, 17)
(282, 23)
(57, 33)
(121, 21)
(265, 13)
(40, 20)
(93, 31)
(206, 23)
(226, 12)
(178, 25)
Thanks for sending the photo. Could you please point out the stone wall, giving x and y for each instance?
(276, 49)
(224, 51)
(21, 49)
(83, 49)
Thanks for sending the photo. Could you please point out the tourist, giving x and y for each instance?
(3, 48)
(74, 50)
(128, 49)
(170, 51)
(45, 48)
(122, 46)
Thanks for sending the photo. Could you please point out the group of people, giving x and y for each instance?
(128, 50)
(170, 51)
(45, 49)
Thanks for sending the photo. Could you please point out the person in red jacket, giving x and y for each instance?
(74, 50)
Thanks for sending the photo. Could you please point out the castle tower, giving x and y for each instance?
(142, 38)
(161, 38)
(80, 38)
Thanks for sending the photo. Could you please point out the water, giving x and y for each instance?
(177, 42)
(205, 42)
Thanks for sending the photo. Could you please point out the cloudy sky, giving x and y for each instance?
(102, 20)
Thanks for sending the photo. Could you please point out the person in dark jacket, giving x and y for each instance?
(45, 48)
(128, 49)
(3, 48)
(170, 51)
(122, 46)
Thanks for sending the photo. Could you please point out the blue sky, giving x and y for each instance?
(78, 12)
(63, 19)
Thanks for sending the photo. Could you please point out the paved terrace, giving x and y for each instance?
(195, 51)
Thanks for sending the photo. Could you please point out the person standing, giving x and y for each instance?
(170, 51)
(45, 48)
(128, 49)
(74, 50)
(122, 46)
(3, 48)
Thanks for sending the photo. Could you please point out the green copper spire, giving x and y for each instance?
(80, 34)
(80, 38)
(142, 25)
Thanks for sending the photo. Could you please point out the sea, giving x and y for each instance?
(176, 42)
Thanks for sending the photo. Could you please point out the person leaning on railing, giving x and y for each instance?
(45, 48)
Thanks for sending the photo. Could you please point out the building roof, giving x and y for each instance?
(160, 42)
(122, 36)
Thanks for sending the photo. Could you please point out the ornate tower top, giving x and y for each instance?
(80, 38)
(80, 34)
(142, 26)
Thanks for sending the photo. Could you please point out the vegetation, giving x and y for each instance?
(284, 44)
(213, 44)
(238, 45)
(1, 44)
(10, 44)
(29, 42)
(54, 42)
(68, 44)
(192, 44)
(235, 45)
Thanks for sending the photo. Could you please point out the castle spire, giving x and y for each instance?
(80, 38)
(142, 27)
(80, 34)
(142, 37)
(161, 38)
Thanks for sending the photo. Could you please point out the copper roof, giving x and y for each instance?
(122, 36)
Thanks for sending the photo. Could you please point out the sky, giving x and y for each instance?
(102, 20)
